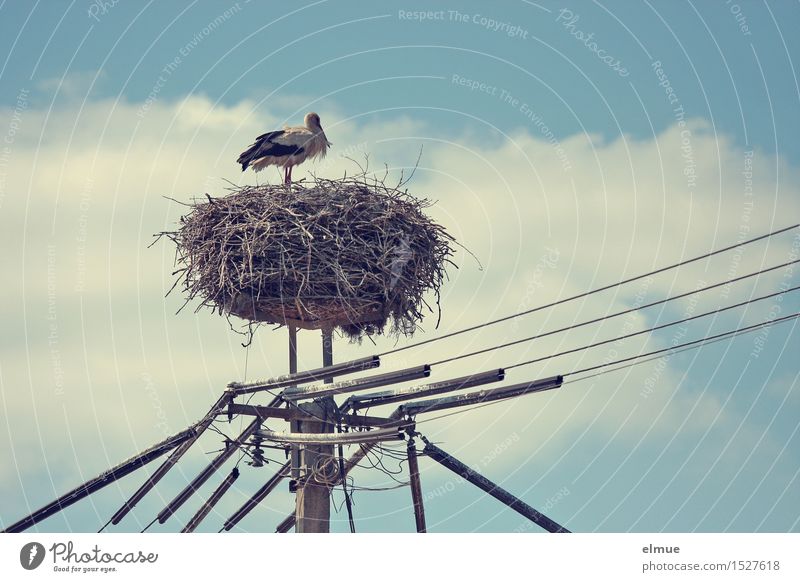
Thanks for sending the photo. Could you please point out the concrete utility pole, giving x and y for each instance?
(317, 473)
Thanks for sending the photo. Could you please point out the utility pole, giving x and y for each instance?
(317, 473)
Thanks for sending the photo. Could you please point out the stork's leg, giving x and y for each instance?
(290, 174)
(285, 174)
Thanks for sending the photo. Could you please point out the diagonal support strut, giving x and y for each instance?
(493, 489)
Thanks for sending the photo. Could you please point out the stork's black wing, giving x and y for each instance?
(266, 146)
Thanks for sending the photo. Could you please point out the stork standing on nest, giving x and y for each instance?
(287, 148)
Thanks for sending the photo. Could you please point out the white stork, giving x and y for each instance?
(287, 148)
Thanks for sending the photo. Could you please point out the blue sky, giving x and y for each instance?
(560, 171)
(723, 74)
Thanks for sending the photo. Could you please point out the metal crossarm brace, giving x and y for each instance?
(303, 438)
(481, 396)
(359, 401)
(212, 501)
(106, 478)
(207, 472)
(257, 497)
(286, 380)
(199, 428)
(346, 386)
(491, 488)
(416, 487)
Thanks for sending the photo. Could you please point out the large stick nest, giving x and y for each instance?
(353, 254)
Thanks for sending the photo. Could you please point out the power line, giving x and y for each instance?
(656, 328)
(649, 359)
(630, 335)
(613, 315)
(692, 345)
(591, 292)
(700, 341)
